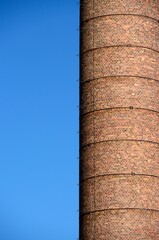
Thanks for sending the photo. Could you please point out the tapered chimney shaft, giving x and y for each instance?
(119, 120)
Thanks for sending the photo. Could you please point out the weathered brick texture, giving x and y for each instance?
(134, 224)
(98, 8)
(119, 120)
(135, 31)
(116, 92)
(124, 157)
(120, 61)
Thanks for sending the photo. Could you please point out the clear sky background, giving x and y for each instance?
(38, 119)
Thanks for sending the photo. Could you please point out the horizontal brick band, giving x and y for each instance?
(118, 108)
(118, 209)
(119, 191)
(120, 46)
(119, 92)
(117, 175)
(127, 224)
(120, 61)
(117, 140)
(113, 157)
(94, 8)
(116, 76)
(121, 15)
(119, 124)
(117, 30)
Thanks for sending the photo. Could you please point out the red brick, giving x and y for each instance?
(119, 120)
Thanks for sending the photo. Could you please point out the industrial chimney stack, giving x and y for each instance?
(119, 120)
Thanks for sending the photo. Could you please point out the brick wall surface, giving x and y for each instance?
(119, 120)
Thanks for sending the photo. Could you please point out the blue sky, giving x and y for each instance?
(38, 119)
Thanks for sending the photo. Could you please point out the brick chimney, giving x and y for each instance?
(119, 120)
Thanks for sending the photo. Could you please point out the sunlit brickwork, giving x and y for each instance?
(119, 120)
